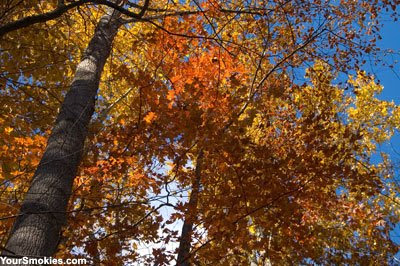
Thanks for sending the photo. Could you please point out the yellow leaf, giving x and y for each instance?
(252, 229)
(8, 130)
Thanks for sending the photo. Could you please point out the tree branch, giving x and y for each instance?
(61, 9)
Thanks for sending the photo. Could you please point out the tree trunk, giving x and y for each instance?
(187, 228)
(36, 231)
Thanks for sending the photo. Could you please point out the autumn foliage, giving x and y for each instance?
(269, 95)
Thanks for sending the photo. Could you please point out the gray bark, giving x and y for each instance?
(187, 228)
(36, 231)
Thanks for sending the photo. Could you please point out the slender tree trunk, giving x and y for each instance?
(187, 228)
(36, 231)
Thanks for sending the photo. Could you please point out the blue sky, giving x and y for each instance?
(390, 78)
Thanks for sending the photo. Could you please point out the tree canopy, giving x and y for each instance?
(221, 132)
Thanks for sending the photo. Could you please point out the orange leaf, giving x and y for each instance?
(150, 117)
(175, 79)
(171, 95)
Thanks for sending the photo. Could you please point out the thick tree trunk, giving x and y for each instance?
(36, 231)
(187, 228)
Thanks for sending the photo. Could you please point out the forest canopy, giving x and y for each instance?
(196, 132)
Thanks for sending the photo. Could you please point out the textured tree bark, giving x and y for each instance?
(187, 228)
(36, 231)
